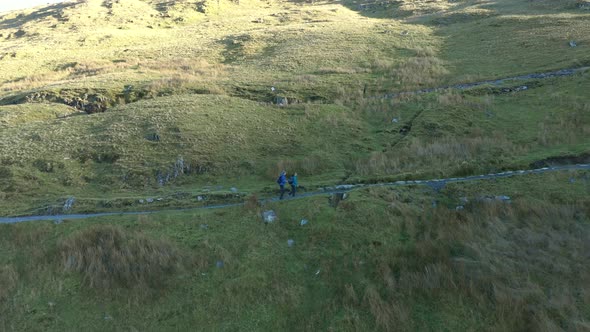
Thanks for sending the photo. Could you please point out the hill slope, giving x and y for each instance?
(108, 103)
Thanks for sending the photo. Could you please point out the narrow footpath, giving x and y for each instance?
(495, 82)
(433, 183)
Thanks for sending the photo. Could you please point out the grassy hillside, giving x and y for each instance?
(384, 259)
(118, 103)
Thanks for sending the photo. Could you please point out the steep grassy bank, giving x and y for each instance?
(198, 143)
(384, 259)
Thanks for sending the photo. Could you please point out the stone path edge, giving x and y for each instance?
(323, 191)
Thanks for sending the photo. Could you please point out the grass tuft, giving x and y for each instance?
(107, 257)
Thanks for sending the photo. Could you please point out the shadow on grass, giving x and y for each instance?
(20, 20)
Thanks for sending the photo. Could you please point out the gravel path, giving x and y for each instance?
(463, 86)
(434, 183)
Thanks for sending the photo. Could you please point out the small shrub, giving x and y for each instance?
(252, 203)
(108, 257)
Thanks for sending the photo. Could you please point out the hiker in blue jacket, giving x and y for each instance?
(293, 182)
(282, 180)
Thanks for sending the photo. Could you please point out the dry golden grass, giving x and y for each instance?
(454, 154)
(252, 204)
(524, 263)
(312, 165)
(108, 257)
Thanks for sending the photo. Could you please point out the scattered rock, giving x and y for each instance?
(68, 204)
(394, 120)
(290, 242)
(404, 33)
(335, 198)
(219, 264)
(500, 198)
(159, 199)
(141, 201)
(405, 129)
(179, 167)
(572, 180)
(51, 304)
(200, 198)
(269, 216)
(463, 199)
(503, 198)
(573, 43)
(258, 20)
(459, 208)
(150, 200)
(317, 272)
(233, 189)
(204, 226)
(153, 137)
(281, 101)
(107, 317)
(303, 222)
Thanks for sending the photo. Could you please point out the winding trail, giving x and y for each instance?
(433, 183)
(496, 82)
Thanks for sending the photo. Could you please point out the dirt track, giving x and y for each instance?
(434, 183)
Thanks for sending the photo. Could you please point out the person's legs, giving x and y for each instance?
(282, 190)
(293, 190)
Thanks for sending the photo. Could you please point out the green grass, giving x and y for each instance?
(114, 102)
(201, 140)
(11, 115)
(387, 259)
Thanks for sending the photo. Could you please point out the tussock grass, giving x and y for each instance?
(383, 259)
(108, 257)
(566, 127)
(308, 166)
(504, 260)
(387, 260)
(460, 156)
(424, 69)
(9, 278)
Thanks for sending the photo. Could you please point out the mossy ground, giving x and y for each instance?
(113, 102)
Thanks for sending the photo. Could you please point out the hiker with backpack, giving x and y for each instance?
(293, 182)
(282, 180)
